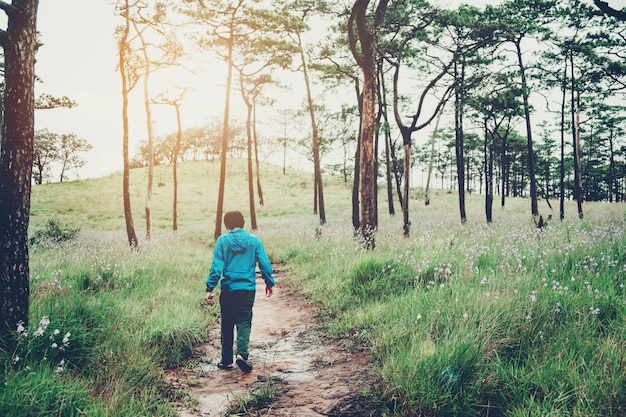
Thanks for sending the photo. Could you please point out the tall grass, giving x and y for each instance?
(498, 319)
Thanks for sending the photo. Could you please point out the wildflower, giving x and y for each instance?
(594, 311)
(529, 317)
(54, 346)
(419, 316)
(533, 296)
(483, 281)
(56, 332)
(16, 359)
(465, 316)
(60, 367)
(20, 328)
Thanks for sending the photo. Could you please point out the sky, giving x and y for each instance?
(78, 59)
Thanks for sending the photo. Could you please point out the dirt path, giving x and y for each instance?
(311, 375)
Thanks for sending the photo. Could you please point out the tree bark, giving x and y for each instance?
(317, 169)
(225, 131)
(128, 214)
(458, 141)
(531, 155)
(146, 102)
(361, 30)
(578, 193)
(19, 43)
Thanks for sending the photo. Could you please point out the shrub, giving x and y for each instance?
(54, 233)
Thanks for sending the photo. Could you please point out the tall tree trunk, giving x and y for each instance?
(360, 27)
(578, 188)
(253, 224)
(488, 179)
(179, 134)
(128, 214)
(611, 179)
(577, 161)
(146, 101)
(575, 142)
(529, 137)
(562, 162)
(382, 108)
(458, 140)
(433, 138)
(256, 157)
(317, 169)
(225, 131)
(356, 184)
(396, 172)
(505, 169)
(406, 146)
(19, 44)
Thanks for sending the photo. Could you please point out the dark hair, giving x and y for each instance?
(233, 220)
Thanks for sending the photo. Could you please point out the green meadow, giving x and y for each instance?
(473, 319)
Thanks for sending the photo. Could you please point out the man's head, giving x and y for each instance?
(233, 220)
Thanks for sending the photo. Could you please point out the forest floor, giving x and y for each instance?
(310, 374)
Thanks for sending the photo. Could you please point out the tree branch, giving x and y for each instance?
(605, 8)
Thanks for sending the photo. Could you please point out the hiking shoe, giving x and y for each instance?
(243, 365)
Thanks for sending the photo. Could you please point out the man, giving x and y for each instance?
(235, 258)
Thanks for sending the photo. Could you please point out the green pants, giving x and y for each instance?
(236, 311)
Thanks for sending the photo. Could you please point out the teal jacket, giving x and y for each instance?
(234, 261)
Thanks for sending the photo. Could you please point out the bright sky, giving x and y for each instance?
(78, 60)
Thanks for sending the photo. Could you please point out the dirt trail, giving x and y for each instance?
(312, 375)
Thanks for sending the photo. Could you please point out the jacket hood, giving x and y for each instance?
(238, 240)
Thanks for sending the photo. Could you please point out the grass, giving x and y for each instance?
(479, 319)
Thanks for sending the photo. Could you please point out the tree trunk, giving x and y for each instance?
(256, 158)
(562, 162)
(19, 45)
(365, 31)
(382, 108)
(179, 134)
(611, 178)
(531, 154)
(488, 174)
(225, 130)
(317, 169)
(431, 159)
(406, 222)
(253, 224)
(128, 214)
(578, 181)
(356, 184)
(146, 102)
(458, 140)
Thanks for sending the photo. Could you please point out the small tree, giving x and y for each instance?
(46, 152)
(69, 149)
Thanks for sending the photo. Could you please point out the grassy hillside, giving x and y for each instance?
(476, 319)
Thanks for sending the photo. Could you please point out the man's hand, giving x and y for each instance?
(210, 300)
(269, 291)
